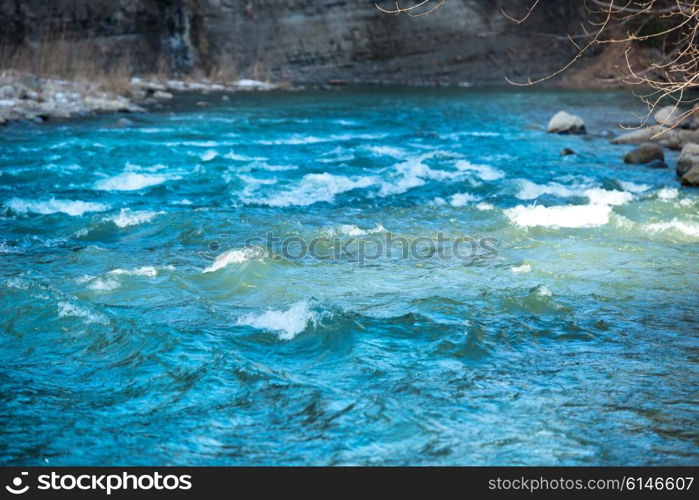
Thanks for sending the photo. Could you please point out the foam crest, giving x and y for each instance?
(685, 228)
(315, 188)
(134, 178)
(483, 172)
(287, 324)
(462, 199)
(352, 230)
(524, 268)
(52, 206)
(560, 216)
(127, 217)
(235, 256)
(68, 310)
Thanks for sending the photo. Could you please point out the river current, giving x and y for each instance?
(213, 285)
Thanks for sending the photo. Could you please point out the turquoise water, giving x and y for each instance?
(152, 312)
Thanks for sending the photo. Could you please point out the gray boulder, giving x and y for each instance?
(645, 153)
(7, 92)
(657, 164)
(161, 94)
(673, 116)
(691, 178)
(639, 136)
(688, 159)
(565, 123)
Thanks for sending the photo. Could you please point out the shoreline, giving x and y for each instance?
(28, 97)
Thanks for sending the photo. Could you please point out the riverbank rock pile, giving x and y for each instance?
(675, 129)
(145, 89)
(27, 97)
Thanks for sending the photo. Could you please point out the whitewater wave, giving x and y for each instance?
(530, 190)
(483, 172)
(524, 268)
(352, 230)
(287, 324)
(668, 193)
(52, 206)
(103, 285)
(560, 216)
(685, 228)
(208, 155)
(235, 256)
(604, 197)
(414, 173)
(633, 187)
(68, 309)
(134, 178)
(126, 217)
(462, 199)
(314, 188)
(147, 271)
(300, 139)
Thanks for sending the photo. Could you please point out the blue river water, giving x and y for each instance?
(161, 303)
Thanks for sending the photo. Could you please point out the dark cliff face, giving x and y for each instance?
(304, 40)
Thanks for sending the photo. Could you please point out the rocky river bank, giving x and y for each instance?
(670, 127)
(32, 98)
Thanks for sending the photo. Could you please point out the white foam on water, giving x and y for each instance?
(238, 157)
(543, 291)
(300, 139)
(632, 187)
(17, 283)
(287, 324)
(126, 217)
(668, 193)
(103, 285)
(199, 144)
(414, 173)
(52, 206)
(315, 188)
(483, 172)
(235, 256)
(149, 271)
(559, 216)
(604, 197)
(208, 155)
(132, 181)
(462, 199)
(524, 268)
(530, 190)
(352, 230)
(388, 151)
(272, 168)
(675, 225)
(485, 206)
(67, 309)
